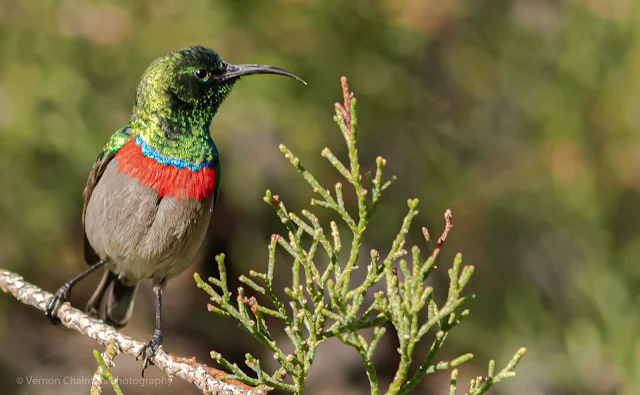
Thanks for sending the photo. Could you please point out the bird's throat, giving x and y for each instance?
(176, 136)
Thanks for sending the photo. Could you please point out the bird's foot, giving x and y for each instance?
(149, 350)
(62, 295)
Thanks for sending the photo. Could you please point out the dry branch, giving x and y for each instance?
(200, 375)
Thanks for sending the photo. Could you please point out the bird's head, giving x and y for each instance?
(186, 88)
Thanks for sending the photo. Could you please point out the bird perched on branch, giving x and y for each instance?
(151, 191)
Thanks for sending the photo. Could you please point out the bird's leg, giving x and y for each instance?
(63, 294)
(148, 351)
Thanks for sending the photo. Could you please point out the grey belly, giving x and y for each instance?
(142, 235)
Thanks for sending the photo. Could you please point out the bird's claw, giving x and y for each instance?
(62, 295)
(149, 350)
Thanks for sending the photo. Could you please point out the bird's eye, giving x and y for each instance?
(201, 74)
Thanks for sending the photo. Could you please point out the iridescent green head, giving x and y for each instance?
(184, 89)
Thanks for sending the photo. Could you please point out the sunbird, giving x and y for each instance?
(150, 193)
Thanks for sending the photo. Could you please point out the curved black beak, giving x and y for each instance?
(238, 70)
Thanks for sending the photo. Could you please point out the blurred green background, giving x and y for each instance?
(519, 115)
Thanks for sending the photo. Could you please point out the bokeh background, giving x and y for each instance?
(522, 116)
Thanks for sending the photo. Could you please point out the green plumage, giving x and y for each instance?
(173, 109)
(117, 140)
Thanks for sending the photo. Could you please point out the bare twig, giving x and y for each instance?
(345, 109)
(202, 376)
(447, 228)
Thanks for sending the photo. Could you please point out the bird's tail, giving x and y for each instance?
(112, 302)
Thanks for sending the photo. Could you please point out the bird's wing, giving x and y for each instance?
(117, 141)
